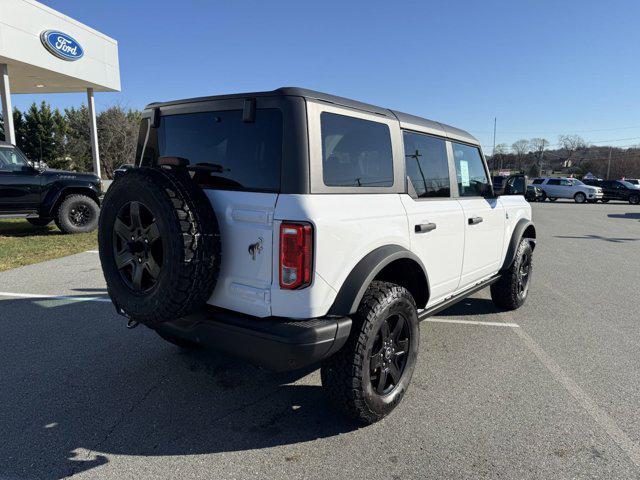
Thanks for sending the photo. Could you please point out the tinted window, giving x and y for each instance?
(538, 181)
(427, 164)
(239, 155)
(355, 152)
(553, 181)
(472, 177)
(12, 160)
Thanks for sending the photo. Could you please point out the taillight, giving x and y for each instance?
(296, 252)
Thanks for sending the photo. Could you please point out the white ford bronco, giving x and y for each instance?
(295, 228)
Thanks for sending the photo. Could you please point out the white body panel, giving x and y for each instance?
(346, 228)
(441, 250)
(245, 219)
(567, 189)
(483, 244)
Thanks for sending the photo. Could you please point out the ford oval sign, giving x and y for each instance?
(61, 45)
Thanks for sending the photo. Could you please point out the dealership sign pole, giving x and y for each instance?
(7, 111)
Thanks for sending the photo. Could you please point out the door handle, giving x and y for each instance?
(475, 220)
(425, 227)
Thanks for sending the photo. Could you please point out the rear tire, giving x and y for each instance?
(77, 214)
(510, 291)
(580, 197)
(368, 377)
(634, 199)
(552, 199)
(40, 222)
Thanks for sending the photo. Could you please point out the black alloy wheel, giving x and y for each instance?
(80, 215)
(523, 274)
(137, 247)
(389, 354)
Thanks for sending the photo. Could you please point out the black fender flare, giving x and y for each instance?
(356, 283)
(53, 196)
(517, 235)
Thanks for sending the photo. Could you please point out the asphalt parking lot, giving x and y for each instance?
(555, 396)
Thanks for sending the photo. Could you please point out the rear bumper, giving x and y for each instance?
(279, 344)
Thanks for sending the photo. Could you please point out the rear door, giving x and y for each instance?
(237, 162)
(436, 220)
(484, 218)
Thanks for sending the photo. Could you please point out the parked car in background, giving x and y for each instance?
(633, 181)
(534, 194)
(70, 199)
(617, 190)
(554, 188)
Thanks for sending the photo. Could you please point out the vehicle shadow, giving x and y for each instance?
(470, 306)
(22, 228)
(599, 237)
(76, 386)
(626, 216)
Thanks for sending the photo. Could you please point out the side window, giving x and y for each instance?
(427, 165)
(553, 181)
(566, 183)
(471, 175)
(537, 181)
(355, 152)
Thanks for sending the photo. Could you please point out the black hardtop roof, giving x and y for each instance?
(405, 119)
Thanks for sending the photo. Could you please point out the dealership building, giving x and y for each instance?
(44, 51)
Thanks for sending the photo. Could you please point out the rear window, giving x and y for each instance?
(355, 152)
(235, 155)
(538, 181)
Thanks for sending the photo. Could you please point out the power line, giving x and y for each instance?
(551, 132)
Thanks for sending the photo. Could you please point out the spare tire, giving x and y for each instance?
(159, 245)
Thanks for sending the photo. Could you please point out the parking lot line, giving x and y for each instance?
(92, 251)
(55, 297)
(605, 421)
(472, 322)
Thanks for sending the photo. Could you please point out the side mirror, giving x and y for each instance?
(487, 191)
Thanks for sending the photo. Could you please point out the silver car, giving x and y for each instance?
(554, 188)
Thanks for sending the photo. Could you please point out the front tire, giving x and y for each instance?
(580, 197)
(369, 376)
(634, 199)
(510, 291)
(78, 214)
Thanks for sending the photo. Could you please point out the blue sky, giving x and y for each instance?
(542, 68)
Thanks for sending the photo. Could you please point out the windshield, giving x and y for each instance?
(628, 184)
(12, 159)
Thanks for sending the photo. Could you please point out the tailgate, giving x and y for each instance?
(246, 231)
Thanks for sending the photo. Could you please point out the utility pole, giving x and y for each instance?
(493, 153)
(609, 165)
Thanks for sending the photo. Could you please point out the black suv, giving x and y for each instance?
(70, 199)
(616, 190)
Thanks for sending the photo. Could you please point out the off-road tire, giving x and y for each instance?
(634, 199)
(190, 238)
(580, 197)
(40, 222)
(346, 375)
(65, 211)
(506, 293)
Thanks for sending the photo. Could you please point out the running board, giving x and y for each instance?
(429, 312)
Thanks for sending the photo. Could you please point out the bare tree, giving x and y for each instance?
(499, 152)
(571, 143)
(118, 133)
(538, 145)
(520, 148)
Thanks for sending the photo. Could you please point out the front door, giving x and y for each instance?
(436, 220)
(484, 218)
(19, 183)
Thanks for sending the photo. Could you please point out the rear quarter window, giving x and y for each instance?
(355, 152)
(235, 155)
